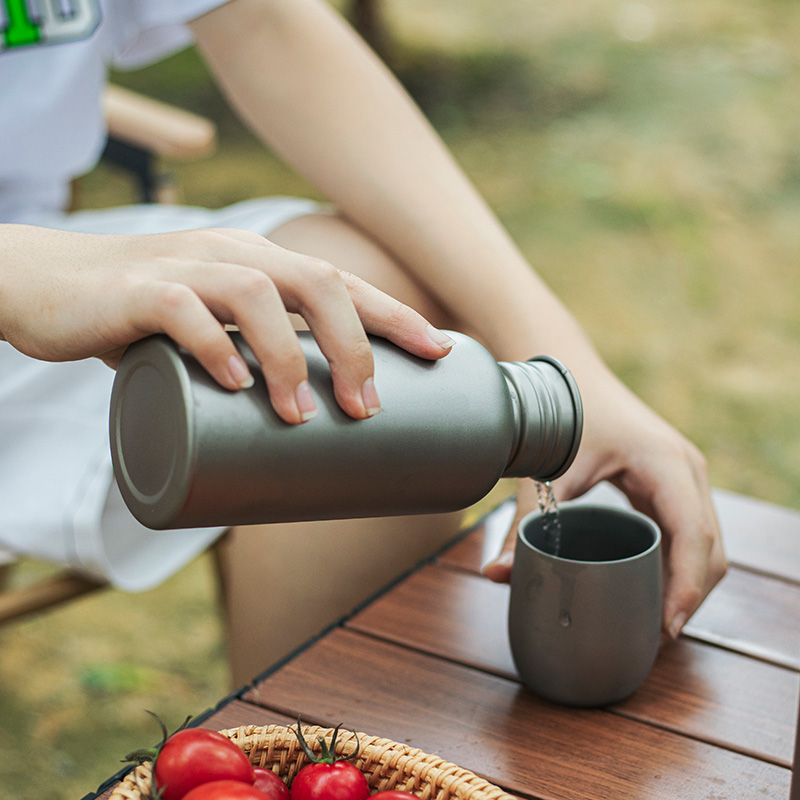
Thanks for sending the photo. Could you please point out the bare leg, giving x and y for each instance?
(283, 583)
(331, 237)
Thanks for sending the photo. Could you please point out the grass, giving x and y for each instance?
(645, 156)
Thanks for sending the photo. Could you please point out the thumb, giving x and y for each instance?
(499, 568)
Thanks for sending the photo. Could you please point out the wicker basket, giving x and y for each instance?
(385, 764)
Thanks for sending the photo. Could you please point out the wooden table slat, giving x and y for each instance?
(715, 695)
(758, 535)
(752, 614)
(239, 712)
(515, 740)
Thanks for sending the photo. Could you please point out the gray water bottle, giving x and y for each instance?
(189, 453)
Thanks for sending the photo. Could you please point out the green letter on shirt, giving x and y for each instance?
(46, 22)
(20, 29)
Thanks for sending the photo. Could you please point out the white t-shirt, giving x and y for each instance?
(58, 500)
(52, 71)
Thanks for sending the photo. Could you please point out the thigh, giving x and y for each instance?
(330, 236)
(283, 584)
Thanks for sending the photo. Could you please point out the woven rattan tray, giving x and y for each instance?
(385, 764)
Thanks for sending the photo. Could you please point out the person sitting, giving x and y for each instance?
(405, 248)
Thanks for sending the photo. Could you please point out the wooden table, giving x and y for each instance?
(427, 662)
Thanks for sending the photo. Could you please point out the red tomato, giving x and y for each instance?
(394, 794)
(193, 756)
(226, 790)
(337, 781)
(269, 783)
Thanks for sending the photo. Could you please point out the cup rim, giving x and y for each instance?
(570, 505)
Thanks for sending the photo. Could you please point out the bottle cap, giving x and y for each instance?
(549, 412)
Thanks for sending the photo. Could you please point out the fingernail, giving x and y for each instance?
(440, 337)
(305, 401)
(237, 369)
(678, 621)
(369, 394)
(504, 559)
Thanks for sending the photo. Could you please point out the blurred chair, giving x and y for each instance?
(18, 601)
(142, 131)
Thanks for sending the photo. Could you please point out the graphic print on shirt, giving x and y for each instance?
(33, 22)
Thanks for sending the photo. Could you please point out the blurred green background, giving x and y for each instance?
(645, 155)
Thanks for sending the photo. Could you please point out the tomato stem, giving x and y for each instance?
(328, 752)
(152, 753)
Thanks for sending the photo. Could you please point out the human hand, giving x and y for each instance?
(68, 296)
(662, 474)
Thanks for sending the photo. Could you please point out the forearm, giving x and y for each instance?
(301, 78)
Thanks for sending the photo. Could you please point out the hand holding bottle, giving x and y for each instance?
(68, 296)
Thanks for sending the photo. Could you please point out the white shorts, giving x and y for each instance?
(58, 498)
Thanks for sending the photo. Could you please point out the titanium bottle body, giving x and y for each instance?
(188, 453)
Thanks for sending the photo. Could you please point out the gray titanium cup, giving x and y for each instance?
(585, 626)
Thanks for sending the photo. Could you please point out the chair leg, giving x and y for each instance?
(6, 571)
(44, 594)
